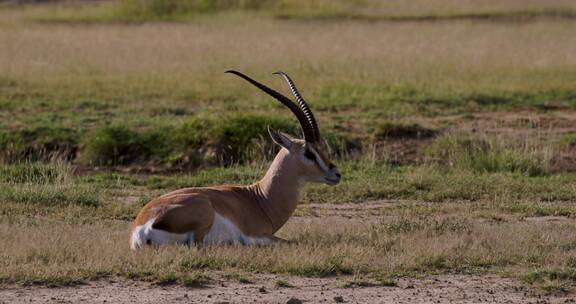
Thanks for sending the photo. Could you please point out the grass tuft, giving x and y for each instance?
(50, 194)
(479, 155)
(46, 185)
(568, 140)
(568, 274)
(188, 280)
(282, 284)
(332, 266)
(35, 173)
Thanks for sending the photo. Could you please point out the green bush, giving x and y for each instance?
(113, 145)
(235, 139)
(11, 146)
(244, 137)
(227, 140)
(167, 10)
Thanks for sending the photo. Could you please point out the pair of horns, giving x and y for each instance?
(301, 110)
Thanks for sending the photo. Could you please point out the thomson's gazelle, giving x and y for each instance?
(247, 215)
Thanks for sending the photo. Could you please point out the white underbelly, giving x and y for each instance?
(223, 231)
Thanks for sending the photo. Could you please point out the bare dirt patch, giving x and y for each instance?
(434, 289)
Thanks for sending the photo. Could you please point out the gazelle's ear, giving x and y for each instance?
(281, 139)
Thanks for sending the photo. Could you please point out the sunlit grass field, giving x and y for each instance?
(455, 136)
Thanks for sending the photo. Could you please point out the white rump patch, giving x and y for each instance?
(146, 235)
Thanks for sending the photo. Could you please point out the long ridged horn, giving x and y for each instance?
(303, 105)
(309, 134)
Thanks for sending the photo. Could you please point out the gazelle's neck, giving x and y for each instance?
(278, 191)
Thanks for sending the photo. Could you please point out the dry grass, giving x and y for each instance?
(175, 59)
(399, 7)
(396, 245)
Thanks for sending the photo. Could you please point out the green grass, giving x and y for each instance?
(47, 195)
(138, 11)
(486, 156)
(552, 281)
(568, 274)
(175, 140)
(519, 15)
(54, 191)
(37, 173)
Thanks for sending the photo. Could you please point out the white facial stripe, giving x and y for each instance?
(319, 159)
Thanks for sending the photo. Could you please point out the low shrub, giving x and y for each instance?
(232, 139)
(226, 141)
(402, 130)
(244, 137)
(112, 145)
(38, 143)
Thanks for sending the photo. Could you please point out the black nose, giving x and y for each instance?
(339, 175)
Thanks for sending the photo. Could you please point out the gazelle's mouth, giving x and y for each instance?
(332, 181)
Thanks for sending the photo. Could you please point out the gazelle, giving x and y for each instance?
(248, 215)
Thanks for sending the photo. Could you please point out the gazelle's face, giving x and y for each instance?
(308, 159)
(316, 166)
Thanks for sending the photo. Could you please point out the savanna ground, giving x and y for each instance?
(453, 122)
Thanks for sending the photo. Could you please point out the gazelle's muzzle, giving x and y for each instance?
(333, 176)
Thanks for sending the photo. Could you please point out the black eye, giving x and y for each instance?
(309, 155)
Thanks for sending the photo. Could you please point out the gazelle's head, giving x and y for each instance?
(304, 155)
